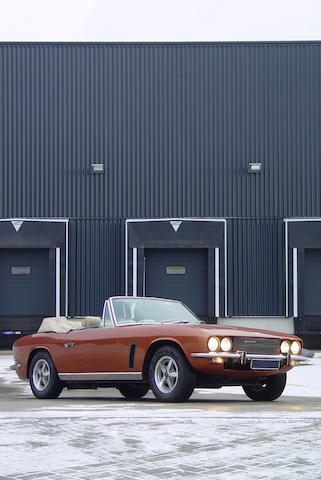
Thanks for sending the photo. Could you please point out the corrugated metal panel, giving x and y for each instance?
(190, 288)
(175, 126)
(256, 267)
(312, 282)
(96, 262)
(25, 294)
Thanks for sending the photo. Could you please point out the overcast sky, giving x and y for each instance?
(159, 20)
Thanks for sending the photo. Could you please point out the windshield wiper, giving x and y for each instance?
(175, 321)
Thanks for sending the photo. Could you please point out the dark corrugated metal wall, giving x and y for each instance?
(175, 126)
(256, 267)
(96, 253)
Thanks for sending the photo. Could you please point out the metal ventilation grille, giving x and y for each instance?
(257, 345)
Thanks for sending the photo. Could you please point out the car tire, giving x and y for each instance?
(268, 391)
(133, 392)
(170, 376)
(43, 376)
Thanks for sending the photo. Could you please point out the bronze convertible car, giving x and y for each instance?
(157, 344)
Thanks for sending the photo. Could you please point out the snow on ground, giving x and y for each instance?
(217, 434)
(8, 376)
(220, 449)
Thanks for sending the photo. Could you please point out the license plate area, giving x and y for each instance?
(264, 364)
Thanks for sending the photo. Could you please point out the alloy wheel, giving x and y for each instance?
(166, 374)
(41, 375)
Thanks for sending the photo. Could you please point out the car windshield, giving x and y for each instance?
(143, 310)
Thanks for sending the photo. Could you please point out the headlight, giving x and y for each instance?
(295, 347)
(226, 344)
(285, 346)
(213, 344)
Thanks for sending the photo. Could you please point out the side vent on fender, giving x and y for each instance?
(132, 352)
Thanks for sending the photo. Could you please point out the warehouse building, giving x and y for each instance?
(188, 171)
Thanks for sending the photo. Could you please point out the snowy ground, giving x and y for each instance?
(217, 434)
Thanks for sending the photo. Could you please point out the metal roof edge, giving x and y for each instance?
(169, 43)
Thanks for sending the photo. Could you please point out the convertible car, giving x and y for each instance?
(158, 344)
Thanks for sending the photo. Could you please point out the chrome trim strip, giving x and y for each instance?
(101, 376)
(214, 355)
(249, 356)
(113, 316)
(253, 356)
(15, 367)
(298, 358)
(107, 305)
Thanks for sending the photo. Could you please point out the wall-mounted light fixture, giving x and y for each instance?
(97, 168)
(255, 168)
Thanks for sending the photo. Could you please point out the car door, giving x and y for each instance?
(90, 350)
(101, 350)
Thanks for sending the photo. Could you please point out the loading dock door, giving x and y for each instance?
(24, 282)
(312, 282)
(179, 274)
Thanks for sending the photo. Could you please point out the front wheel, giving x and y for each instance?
(268, 390)
(43, 376)
(133, 392)
(170, 376)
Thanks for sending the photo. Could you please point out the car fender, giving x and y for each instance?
(155, 345)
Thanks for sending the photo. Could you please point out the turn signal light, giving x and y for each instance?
(219, 360)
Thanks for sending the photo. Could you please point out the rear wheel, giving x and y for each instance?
(170, 376)
(133, 391)
(43, 376)
(267, 391)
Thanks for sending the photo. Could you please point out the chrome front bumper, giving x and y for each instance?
(15, 366)
(244, 357)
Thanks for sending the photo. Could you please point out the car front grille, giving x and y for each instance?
(257, 345)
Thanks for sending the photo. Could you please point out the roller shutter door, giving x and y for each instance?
(24, 282)
(312, 282)
(179, 274)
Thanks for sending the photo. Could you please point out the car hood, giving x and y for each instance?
(232, 331)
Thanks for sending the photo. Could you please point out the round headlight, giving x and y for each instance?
(213, 344)
(285, 346)
(295, 347)
(226, 344)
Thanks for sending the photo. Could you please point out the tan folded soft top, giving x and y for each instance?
(64, 324)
